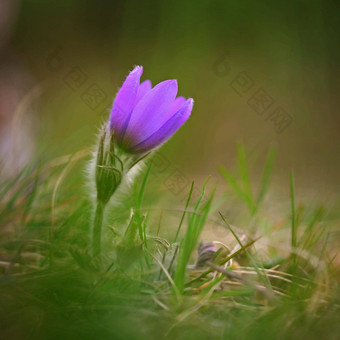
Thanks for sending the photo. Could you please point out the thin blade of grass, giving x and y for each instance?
(305, 238)
(266, 176)
(208, 271)
(232, 181)
(184, 212)
(293, 219)
(138, 216)
(191, 236)
(261, 273)
(243, 167)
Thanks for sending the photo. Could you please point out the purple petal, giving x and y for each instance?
(176, 105)
(167, 130)
(144, 87)
(124, 101)
(150, 113)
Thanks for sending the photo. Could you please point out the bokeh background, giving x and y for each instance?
(62, 62)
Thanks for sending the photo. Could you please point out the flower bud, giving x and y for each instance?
(109, 168)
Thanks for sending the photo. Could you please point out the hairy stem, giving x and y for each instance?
(97, 231)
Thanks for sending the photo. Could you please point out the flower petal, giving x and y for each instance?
(167, 130)
(144, 87)
(176, 105)
(124, 101)
(150, 113)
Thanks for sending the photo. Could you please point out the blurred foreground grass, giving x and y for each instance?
(265, 281)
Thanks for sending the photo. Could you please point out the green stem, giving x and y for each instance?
(131, 231)
(97, 230)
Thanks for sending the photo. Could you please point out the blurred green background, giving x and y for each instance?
(56, 54)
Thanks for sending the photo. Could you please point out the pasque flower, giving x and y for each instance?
(142, 117)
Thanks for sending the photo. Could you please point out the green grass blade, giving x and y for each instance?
(232, 181)
(293, 218)
(184, 212)
(306, 237)
(142, 188)
(266, 176)
(260, 271)
(243, 167)
(191, 236)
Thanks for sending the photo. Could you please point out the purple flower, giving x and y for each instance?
(143, 117)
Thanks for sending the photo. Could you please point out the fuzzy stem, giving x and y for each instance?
(97, 231)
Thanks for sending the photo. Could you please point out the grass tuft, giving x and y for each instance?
(282, 282)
